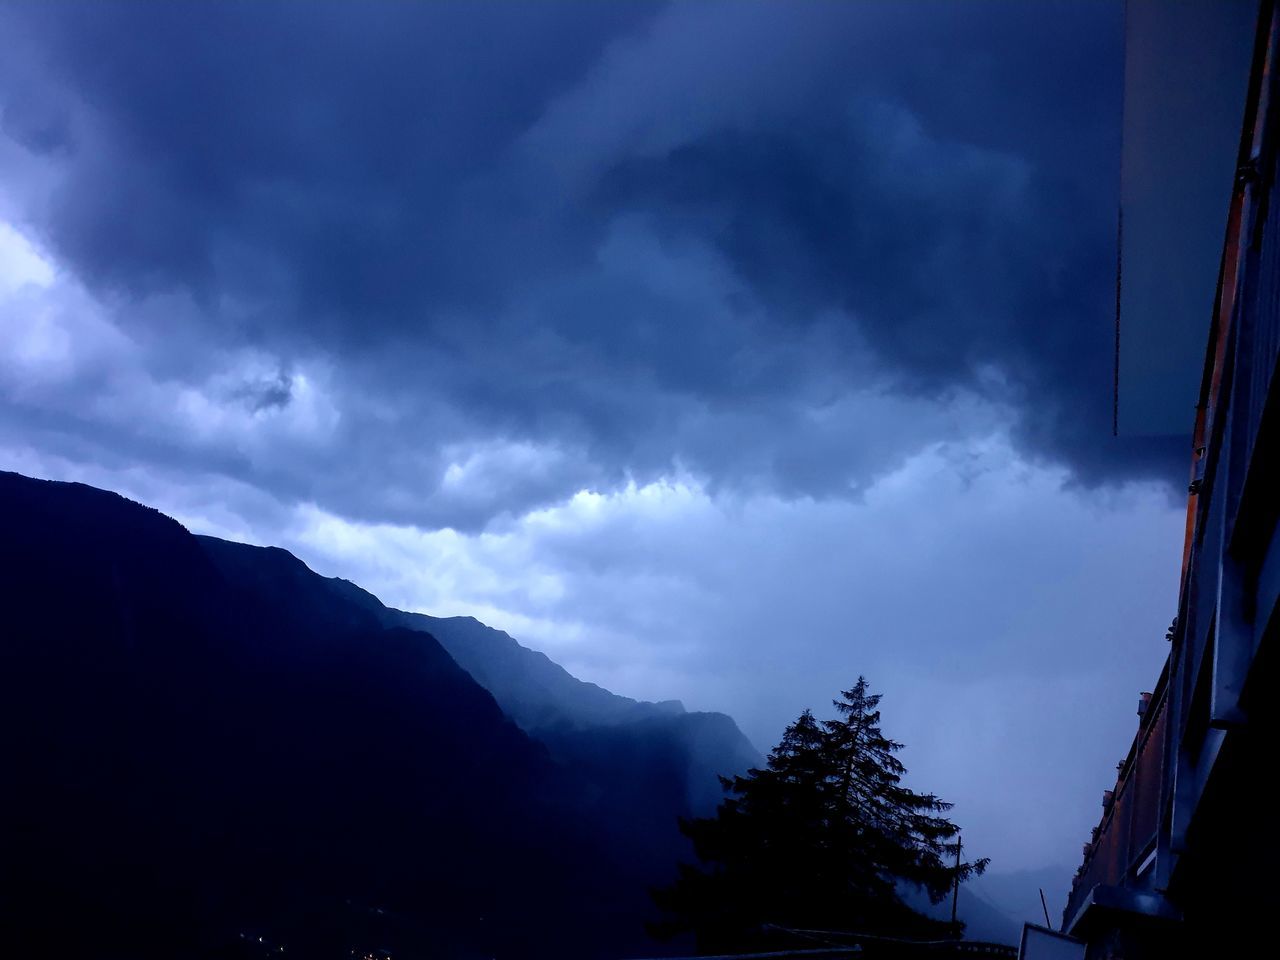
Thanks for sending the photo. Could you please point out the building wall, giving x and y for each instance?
(1180, 860)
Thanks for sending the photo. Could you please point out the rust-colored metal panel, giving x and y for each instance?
(1146, 780)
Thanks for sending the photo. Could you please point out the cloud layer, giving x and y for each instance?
(572, 246)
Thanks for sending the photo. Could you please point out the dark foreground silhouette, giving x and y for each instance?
(824, 837)
(211, 751)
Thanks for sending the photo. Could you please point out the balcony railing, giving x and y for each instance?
(1120, 850)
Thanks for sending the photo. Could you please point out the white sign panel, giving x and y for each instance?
(1041, 943)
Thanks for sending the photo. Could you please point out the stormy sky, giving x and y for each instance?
(722, 351)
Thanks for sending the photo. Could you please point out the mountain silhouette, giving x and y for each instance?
(213, 751)
(583, 724)
(588, 725)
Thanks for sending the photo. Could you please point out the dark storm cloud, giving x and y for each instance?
(569, 244)
(267, 394)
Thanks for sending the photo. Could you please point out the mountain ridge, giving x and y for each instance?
(210, 750)
(544, 699)
(617, 704)
(215, 743)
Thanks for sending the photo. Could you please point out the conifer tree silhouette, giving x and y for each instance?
(823, 836)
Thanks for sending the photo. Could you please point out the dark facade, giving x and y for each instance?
(1180, 863)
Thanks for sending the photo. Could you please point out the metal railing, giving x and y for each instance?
(1126, 835)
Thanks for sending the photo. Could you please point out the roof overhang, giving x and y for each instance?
(1187, 67)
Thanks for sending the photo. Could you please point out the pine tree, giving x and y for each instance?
(902, 833)
(822, 837)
